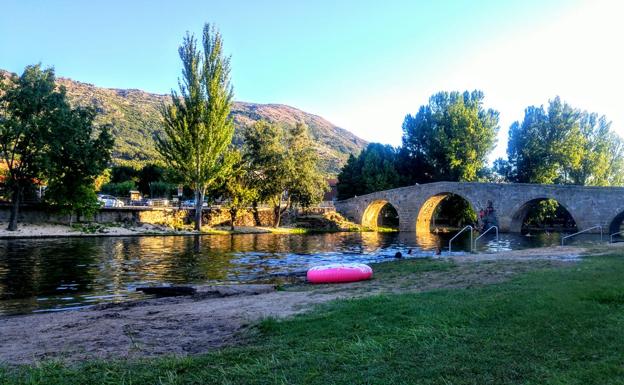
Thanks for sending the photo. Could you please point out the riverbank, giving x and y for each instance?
(225, 316)
(98, 230)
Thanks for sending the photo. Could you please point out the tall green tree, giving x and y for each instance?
(78, 155)
(451, 135)
(198, 128)
(43, 138)
(563, 145)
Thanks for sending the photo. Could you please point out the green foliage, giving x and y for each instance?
(102, 179)
(161, 189)
(121, 189)
(284, 166)
(375, 169)
(30, 106)
(76, 158)
(563, 145)
(452, 135)
(197, 125)
(124, 173)
(307, 184)
(79, 200)
(549, 214)
(149, 174)
(238, 187)
(42, 137)
(455, 211)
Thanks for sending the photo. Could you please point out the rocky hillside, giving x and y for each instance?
(134, 116)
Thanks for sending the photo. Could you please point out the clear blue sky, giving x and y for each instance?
(361, 64)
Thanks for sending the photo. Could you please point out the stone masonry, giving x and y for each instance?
(589, 206)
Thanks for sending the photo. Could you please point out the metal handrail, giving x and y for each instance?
(474, 248)
(614, 234)
(581, 232)
(457, 235)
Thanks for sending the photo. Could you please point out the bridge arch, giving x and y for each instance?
(520, 212)
(427, 209)
(370, 218)
(615, 225)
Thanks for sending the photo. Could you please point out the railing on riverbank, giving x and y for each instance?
(613, 235)
(581, 232)
(458, 234)
(474, 248)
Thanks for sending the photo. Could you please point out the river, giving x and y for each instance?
(69, 273)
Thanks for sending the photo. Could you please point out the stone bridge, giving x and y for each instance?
(415, 205)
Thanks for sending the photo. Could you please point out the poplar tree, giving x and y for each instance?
(197, 126)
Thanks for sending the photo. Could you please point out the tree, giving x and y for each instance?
(350, 179)
(41, 136)
(601, 164)
(197, 125)
(563, 145)
(452, 135)
(76, 159)
(545, 144)
(284, 166)
(307, 184)
(28, 106)
(238, 187)
(264, 152)
(375, 169)
(149, 174)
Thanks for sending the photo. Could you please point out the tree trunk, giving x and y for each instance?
(256, 214)
(17, 192)
(199, 201)
(233, 212)
(277, 215)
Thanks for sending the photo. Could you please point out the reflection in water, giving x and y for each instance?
(50, 274)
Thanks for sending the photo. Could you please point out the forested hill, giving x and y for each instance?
(134, 116)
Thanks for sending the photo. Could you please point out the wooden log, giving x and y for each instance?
(167, 291)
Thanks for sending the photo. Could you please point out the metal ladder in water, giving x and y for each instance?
(457, 235)
(474, 247)
(584, 231)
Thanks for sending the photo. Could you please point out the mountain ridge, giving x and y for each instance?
(134, 116)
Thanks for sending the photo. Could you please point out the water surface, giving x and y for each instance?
(66, 273)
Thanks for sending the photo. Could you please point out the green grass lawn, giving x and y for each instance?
(552, 326)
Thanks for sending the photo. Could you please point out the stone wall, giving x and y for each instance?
(157, 215)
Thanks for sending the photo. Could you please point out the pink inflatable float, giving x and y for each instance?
(339, 272)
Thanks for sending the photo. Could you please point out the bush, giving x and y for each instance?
(160, 189)
(121, 189)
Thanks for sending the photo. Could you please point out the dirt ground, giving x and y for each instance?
(219, 315)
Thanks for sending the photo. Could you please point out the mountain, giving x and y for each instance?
(134, 117)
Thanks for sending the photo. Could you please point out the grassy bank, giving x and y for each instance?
(552, 326)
